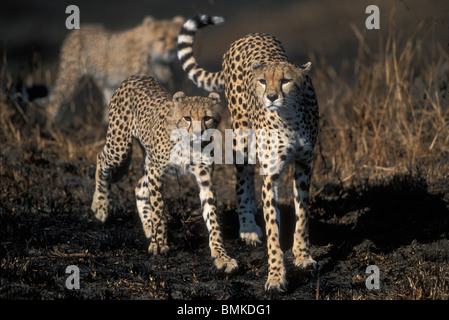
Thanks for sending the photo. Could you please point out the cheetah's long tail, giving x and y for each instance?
(210, 81)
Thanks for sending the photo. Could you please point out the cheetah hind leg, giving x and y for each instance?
(249, 231)
(143, 199)
(102, 197)
(143, 207)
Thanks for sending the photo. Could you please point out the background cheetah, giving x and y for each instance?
(141, 109)
(110, 57)
(265, 92)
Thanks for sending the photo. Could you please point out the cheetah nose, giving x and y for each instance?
(272, 97)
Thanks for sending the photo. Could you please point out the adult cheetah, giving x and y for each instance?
(270, 95)
(140, 108)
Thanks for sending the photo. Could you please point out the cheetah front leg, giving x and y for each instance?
(203, 174)
(276, 273)
(158, 222)
(301, 250)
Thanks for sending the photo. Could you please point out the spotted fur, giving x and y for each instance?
(269, 94)
(141, 109)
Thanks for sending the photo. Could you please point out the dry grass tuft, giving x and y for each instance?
(396, 116)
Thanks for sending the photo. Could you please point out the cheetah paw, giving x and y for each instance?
(307, 264)
(276, 284)
(100, 211)
(251, 237)
(224, 262)
(155, 249)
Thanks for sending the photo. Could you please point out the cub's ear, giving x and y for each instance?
(178, 96)
(214, 96)
(306, 67)
(256, 65)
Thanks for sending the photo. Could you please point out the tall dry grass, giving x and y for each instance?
(394, 118)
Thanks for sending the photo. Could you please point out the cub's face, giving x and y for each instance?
(164, 34)
(195, 114)
(278, 83)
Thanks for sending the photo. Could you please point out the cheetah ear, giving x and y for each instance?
(256, 65)
(215, 97)
(148, 20)
(306, 67)
(178, 20)
(178, 96)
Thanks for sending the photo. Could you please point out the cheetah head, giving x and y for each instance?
(195, 114)
(278, 83)
(162, 37)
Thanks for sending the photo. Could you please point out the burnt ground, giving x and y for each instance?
(399, 224)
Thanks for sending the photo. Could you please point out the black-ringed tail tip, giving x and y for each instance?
(188, 30)
(185, 53)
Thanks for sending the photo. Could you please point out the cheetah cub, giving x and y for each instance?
(140, 108)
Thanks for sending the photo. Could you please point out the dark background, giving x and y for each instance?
(321, 26)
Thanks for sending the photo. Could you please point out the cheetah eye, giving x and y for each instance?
(207, 118)
(188, 118)
(285, 81)
(262, 81)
